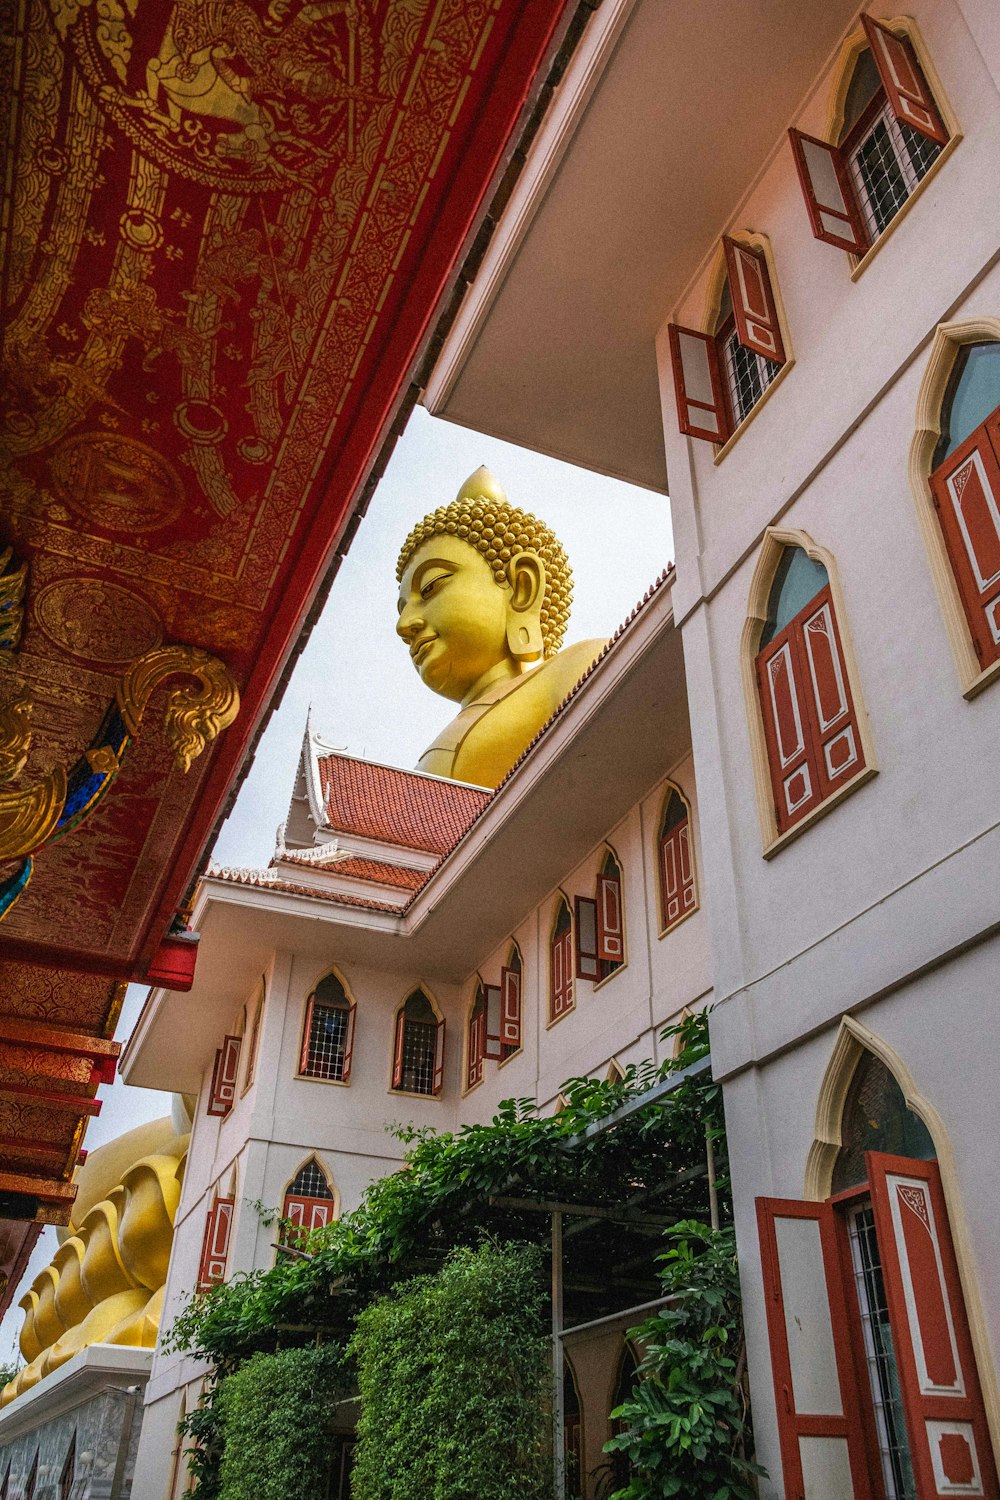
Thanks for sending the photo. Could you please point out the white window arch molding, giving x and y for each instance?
(852, 1041)
(949, 340)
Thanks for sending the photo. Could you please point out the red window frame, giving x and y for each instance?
(966, 492)
(835, 213)
(225, 1070)
(678, 895)
(258, 1017)
(701, 389)
(215, 1244)
(610, 920)
(939, 1382)
(399, 1054)
(475, 1046)
(307, 1213)
(510, 1011)
(811, 727)
(561, 974)
(345, 1071)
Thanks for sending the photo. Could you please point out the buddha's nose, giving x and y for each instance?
(409, 623)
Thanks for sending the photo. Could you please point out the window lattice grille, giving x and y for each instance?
(327, 1042)
(880, 1356)
(748, 376)
(886, 166)
(419, 1046)
(310, 1183)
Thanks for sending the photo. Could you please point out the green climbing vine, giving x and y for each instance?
(686, 1428)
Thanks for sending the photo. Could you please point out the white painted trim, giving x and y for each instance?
(564, 115)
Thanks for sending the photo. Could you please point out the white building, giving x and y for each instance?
(338, 992)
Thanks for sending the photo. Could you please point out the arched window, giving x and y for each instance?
(561, 964)
(418, 1051)
(876, 1118)
(721, 374)
(610, 917)
(217, 1236)
(328, 1032)
(678, 896)
(510, 1004)
(814, 745)
(68, 1476)
(600, 924)
(572, 1434)
(254, 1043)
(870, 1276)
(625, 1382)
(965, 483)
(475, 1042)
(892, 132)
(310, 1202)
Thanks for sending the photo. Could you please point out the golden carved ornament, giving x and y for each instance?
(194, 716)
(15, 736)
(13, 584)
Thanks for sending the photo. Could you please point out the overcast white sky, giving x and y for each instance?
(356, 673)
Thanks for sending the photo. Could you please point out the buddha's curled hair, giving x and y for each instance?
(498, 530)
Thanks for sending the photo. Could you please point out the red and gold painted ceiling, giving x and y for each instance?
(227, 229)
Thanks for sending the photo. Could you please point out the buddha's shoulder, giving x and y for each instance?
(563, 672)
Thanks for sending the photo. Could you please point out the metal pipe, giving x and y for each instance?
(713, 1196)
(558, 1364)
(132, 1395)
(626, 1312)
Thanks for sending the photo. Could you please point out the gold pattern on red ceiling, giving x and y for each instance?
(215, 213)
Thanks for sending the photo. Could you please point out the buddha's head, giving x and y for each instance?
(480, 584)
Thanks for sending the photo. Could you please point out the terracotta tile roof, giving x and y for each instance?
(396, 806)
(364, 869)
(264, 880)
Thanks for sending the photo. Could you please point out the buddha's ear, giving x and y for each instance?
(526, 575)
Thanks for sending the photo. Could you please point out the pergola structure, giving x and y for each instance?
(232, 238)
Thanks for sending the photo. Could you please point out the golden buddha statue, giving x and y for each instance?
(484, 600)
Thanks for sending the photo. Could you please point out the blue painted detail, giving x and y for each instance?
(12, 887)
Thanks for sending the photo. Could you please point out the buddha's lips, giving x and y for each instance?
(420, 648)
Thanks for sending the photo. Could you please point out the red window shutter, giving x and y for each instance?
(345, 1075)
(475, 1046)
(493, 1023)
(610, 927)
(942, 1399)
(810, 724)
(215, 1246)
(562, 974)
(910, 99)
(815, 1381)
(438, 1058)
(306, 1034)
(780, 679)
(754, 307)
(829, 193)
(676, 875)
(701, 402)
(510, 1007)
(223, 1091)
(397, 1050)
(585, 929)
(836, 738)
(966, 490)
(307, 1214)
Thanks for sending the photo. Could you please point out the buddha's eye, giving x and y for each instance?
(428, 588)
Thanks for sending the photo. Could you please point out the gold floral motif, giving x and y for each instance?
(194, 716)
(15, 736)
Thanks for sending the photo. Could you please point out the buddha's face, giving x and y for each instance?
(453, 616)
